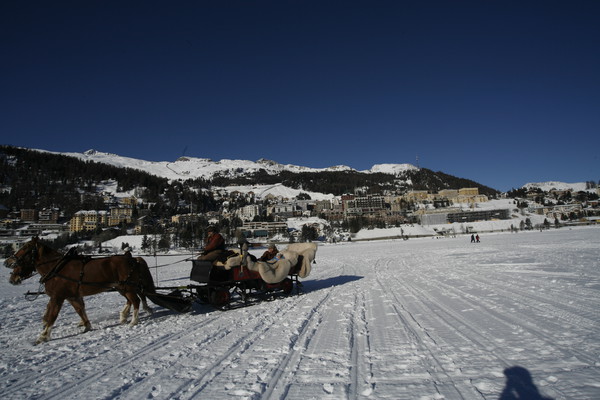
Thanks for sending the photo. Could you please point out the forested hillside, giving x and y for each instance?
(35, 179)
(343, 182)
(32, 179)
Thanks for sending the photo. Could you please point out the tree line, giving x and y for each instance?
(345, 182)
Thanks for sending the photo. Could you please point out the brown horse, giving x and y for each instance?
(71, 277)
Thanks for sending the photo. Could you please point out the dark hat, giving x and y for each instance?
(212, 228)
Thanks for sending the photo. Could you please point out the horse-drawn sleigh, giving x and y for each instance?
(238, 281)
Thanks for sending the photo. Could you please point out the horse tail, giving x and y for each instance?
(146, 280)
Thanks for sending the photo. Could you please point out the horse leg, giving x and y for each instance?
(79, 307)
(124, 314)
(132, 298)
(145, 304)
(52, 310)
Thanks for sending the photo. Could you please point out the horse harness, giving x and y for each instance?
(72, 255)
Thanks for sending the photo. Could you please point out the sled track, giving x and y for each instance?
(201, 377)
(425, 310)
(360, 345)
(580, 315)
(13, 391)
(72, 389)
(543, 338)
(138, 382)
(450, 318)
(531, 327)
(278, 385)
(354, 378)
(443, 382)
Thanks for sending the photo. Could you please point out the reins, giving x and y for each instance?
(173, 263)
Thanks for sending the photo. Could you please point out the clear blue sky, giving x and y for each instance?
(501, 92)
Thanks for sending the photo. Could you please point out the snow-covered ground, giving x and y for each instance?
(393, 319)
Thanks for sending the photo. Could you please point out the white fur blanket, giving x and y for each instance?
(308, 251)
(231, 262)
(275, 271)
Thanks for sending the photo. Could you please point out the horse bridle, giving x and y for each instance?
(21, 261)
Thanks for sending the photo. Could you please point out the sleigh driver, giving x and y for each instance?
(214, 245)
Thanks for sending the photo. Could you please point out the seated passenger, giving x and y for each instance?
(270, 254)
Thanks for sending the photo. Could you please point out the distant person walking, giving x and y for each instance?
(472, 238)
(477, 238)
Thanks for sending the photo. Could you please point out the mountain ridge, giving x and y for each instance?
(188, 167)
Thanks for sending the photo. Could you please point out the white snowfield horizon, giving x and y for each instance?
(424, 319)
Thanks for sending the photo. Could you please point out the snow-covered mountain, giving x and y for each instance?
(192, 167)
(552, 185)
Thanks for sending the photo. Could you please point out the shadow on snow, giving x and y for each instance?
(314, 285)
(520, 386)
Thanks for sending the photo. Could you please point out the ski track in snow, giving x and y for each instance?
(418, 319)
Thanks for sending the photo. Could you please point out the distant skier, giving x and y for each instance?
(472, 238)
(477, 238)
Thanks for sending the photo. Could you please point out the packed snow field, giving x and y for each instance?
(415, 319)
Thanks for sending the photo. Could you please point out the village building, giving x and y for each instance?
(249, 212)
(88, 220)
(263, 229)
(120, 215)
(49, 216)
(29, 214)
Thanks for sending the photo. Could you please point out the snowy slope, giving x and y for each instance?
(393, 169)
(191, 167)
(552, 185)
(277, 190)
(419, 319)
